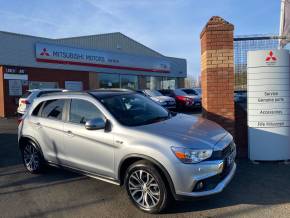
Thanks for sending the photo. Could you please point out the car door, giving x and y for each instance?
(47, 125)
(87, 150)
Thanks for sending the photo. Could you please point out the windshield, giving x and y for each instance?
(190, 91)
(152, 93)
(134, 109)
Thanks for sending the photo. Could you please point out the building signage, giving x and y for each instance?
(15, 87)
(57, 54)
(15, 76)
(269, 105)
(14, 70)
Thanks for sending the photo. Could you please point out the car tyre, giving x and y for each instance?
(32, 157)
(146, 188)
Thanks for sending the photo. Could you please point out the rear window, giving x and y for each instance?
(26, 94)
(53, 109)
(190, 91)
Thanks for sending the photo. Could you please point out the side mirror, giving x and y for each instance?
(95, 124)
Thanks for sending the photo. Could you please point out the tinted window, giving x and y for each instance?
(134, 109)
(153, 93)
(53, 109)
(37, 110)
(190, 91)
(179, 92)
(82, 111)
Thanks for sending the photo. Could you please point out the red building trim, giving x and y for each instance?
(100, 65)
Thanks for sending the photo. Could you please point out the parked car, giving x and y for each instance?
(156, 96)
(183, 100)
(126, 139)
(27, 98)
(199, 91)
(196, 96)
(240, 96)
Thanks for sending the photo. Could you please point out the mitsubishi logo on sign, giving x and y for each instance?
(271, 58)
(44, 52)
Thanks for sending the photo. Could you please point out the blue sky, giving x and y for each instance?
(171, 27)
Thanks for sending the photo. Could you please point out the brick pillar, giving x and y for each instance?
(217, 72)
(2, 92)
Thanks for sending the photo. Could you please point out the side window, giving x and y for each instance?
(82, 111)
(36, 110)
(53, 109)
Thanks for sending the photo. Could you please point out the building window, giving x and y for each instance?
(42, 85)
(169, 83)
(154, 82)
(109, 80)
(129, 82)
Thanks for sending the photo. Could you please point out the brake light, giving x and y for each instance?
(181, 98)
(24, 102)
(19, 120)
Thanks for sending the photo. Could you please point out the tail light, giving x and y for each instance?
(24, 102)
(181, 98)
(19, 120)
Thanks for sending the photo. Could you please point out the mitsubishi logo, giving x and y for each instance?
(44, 52)
(271, 57)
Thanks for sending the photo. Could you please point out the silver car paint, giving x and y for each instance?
(102, 152)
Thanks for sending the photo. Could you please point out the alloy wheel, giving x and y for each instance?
(31, 157)
(144, 189)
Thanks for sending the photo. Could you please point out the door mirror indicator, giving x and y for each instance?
(95, 124)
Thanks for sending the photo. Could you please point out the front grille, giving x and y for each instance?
(222, 154)
(212, 182)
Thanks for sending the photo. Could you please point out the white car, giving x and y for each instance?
(165, 101)
(26, 100)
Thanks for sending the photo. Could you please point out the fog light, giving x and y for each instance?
(199, 186)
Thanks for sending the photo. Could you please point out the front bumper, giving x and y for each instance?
(207, 177)
(218, 188)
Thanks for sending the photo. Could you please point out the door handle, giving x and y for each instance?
(37, 124)
(69, 133)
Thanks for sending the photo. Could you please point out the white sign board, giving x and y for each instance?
(268, 81)
(74, 85)
(16, 76)
(15, 88)
(56, 54)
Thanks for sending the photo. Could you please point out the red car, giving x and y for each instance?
(183, 100)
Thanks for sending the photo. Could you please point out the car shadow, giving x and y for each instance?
(9, 154)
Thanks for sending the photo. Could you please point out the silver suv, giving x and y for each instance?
(124, 138)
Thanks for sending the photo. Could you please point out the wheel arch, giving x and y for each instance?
(130, 159)
(24, 139)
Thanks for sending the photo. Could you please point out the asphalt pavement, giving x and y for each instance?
(257, 190)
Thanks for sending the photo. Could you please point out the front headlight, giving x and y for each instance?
(186, 155)
(161, 102)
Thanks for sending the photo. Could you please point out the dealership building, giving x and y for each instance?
(110, 60)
